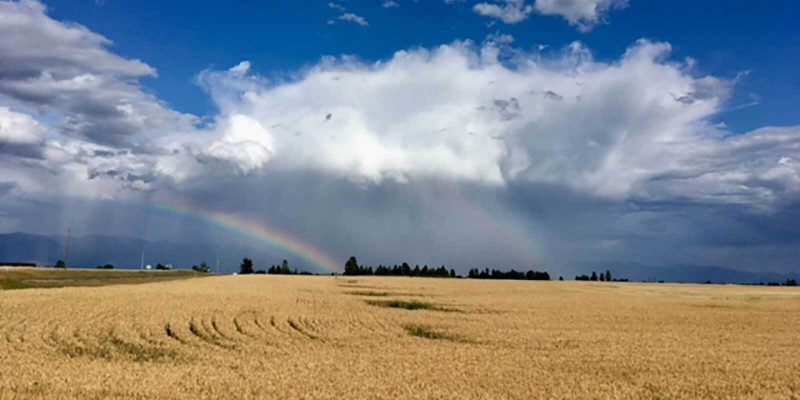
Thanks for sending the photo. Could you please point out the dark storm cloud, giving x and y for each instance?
(7, 187)
(581, 230)
(21, 150)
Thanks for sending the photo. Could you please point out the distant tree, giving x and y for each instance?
(791, 282)
(405, 269)
(203, 267)
(351, 266)
(60, 264)
(285, 267)
(163, 267)
(246, 267)
(608, 276)
(452, 273)
(594, 276)
(561, 278)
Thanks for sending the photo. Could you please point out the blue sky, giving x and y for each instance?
(503, 133)
(181, 38)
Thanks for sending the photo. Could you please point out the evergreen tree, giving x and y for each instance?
(246, 267)
(351, 266)
(405, 269)
(285, 267)
(203, 267)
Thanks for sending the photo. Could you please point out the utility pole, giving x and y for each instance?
(217, 265)
(141, 264)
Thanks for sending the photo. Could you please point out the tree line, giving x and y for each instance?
(602, 277)
(351, 267)
(247, 267)
(787, 282)
(475, 273)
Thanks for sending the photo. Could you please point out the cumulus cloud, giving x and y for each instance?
(33, 43)
(244, 143)
(336, 6)
(583, 14)
(508, 11)
(633, 128)
(64, 68)
(354, 18)
(19, 128)
(615, 130)
(390, 4)
(20, 134)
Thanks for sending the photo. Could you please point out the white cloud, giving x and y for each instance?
(243, 143)
(354, 18)
(336, 6)
(33, 42)
(629, 129)
(390, 4)
(66, 70)
(636, 128)
(583, 14)
(18, 128)
(500, 39)
(241, 68)
(508, 11)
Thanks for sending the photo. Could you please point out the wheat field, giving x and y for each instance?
(369, 337)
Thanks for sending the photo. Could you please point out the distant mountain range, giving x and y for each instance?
(122, 252)
(683, 273)
(125, 252)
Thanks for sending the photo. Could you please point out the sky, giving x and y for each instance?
(547, 134)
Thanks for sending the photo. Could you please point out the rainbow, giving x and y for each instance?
(260, 232)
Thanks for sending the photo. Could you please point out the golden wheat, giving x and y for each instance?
(337, 337)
